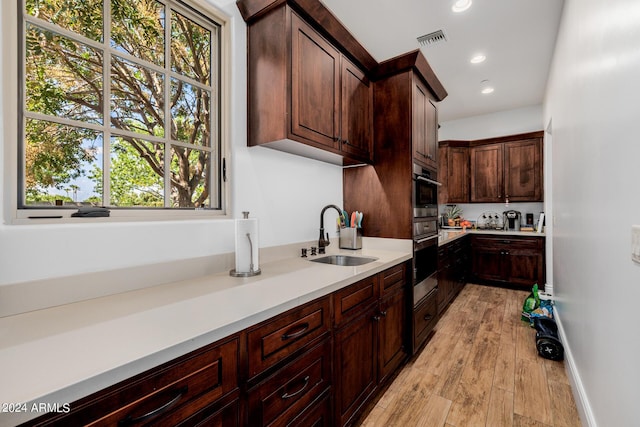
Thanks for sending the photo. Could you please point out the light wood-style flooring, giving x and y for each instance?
(480, 368)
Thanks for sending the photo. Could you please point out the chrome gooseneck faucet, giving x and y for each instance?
(322, 241)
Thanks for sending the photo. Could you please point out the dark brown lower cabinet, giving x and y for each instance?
(454, 268)
(425, 317)
(355, 365)
(392, 327)
(168, 395)
(509, 260)
(318, 364)
(287, 393)
(226, 416)
(370, 319)
(318, 415)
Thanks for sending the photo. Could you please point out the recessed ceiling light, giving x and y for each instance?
(478, 59)
(461, 5)
(486, 88)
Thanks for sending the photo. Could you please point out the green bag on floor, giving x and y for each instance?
(530, 303)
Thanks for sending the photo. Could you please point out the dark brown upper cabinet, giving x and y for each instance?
(453, 170)
(493, 170)
(405, 93)
(306, 93)
(425, 122)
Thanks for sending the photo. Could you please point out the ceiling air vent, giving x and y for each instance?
(432, 38)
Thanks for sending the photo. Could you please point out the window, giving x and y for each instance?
(121, 106)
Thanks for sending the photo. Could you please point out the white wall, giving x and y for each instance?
(285, 192)
(591, 99)
(509, 122)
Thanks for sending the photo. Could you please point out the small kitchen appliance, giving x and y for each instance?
(512, 220)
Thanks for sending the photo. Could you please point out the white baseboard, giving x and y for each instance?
(579, 393)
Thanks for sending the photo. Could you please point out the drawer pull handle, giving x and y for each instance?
(428, 317)
(297, 331)
(127, 421)
(304, 386)
(383, 313)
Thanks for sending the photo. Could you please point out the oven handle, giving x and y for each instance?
(430, 181)
(435, 236)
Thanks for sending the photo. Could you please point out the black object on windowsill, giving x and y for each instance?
(91, 212)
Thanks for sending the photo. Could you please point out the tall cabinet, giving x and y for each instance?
(405, 131)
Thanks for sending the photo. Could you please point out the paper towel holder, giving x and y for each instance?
(251, 272)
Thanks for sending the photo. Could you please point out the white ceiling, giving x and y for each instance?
(517, 37)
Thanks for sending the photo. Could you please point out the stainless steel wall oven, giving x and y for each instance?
(425, 232)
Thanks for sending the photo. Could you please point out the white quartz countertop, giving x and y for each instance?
(63, 353)
(449, 235)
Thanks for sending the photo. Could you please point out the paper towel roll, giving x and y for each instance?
(246, 239)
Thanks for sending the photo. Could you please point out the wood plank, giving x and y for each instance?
(531, 395)
(565, 413)
(435, 412)
(520, 421)
(448, 383)
(471, 402)
(407, 407)
(500, 408)
(526, 343)
(556, 370)
(504, 377)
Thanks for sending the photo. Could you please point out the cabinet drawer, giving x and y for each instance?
(273, 340)
(508, 242)
(163, 396)
(393, 278)
(288, 392)
(319, 415)
(353, 299)
(227, 416)
(425, 316)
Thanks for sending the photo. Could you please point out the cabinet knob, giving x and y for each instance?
(376, 318)
(383, 313)
(345, 142)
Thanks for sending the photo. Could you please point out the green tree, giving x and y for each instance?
(64, 79)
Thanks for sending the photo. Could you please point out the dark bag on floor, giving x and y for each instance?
(547, 340)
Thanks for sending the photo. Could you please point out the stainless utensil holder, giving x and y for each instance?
(350, 238)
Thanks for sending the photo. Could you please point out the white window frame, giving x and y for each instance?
(10, 15)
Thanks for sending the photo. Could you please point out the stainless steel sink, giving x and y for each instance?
(346, 260)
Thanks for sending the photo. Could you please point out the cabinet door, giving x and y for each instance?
(458, 175)
(431, 142)
(488, 263)
(315, 86)
(357, 112)
(419, 124)
(355, 364)
(392, 331)
(524, 268)
(523, 170)
(487, 173)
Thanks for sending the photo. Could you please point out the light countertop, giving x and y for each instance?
(449, 235)
(62, 353)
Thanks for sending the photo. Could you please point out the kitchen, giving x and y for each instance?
(594, 67)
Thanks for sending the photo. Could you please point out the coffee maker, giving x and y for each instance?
(511, 220)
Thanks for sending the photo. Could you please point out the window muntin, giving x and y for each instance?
(120, 163)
